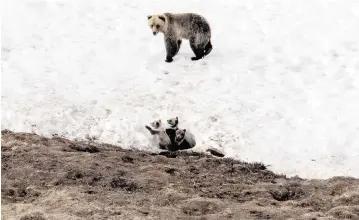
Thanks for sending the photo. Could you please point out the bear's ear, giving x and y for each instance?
(149, 16)
(162, 18)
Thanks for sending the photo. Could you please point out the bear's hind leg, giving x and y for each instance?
(208, 48)
(198, 50)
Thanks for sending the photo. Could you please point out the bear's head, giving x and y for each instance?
(156, 124)
(180, 134)
(173, 122)
(156, 23)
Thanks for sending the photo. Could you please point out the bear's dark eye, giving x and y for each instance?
(157, 26)
(151, 26)
(157, 124)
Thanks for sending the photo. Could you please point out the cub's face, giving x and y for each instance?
(180, 133)
(156, 23)
(173, 121)
(156, 124)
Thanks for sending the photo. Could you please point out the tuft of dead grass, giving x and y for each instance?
(33, 216)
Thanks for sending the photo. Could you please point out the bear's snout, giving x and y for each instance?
(154, 33)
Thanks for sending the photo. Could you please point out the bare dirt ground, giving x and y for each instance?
(56, 178)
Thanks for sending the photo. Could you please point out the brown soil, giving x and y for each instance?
(57, 178)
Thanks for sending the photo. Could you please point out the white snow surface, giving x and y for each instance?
(281, 85)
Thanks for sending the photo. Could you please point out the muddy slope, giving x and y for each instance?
(60, 179)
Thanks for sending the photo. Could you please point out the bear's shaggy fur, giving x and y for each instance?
(175, 27)
(171, 131)
(184, 139)
(157, 128)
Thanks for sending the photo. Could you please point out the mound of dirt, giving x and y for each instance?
(55, 178)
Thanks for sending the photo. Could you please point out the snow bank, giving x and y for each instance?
(281, 85)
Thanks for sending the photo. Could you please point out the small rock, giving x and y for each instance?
(84, 148)
(127, 159)
(215, 152)
(144, 211)
(170, 170)
(280, 194)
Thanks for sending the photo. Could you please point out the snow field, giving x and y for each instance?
(281, 85)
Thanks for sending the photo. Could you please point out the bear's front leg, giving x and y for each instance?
(171, 49)
(179, 42)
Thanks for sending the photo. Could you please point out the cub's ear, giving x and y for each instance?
(149, 16)
(162, 18)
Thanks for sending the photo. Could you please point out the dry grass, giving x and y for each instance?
(60, 179)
